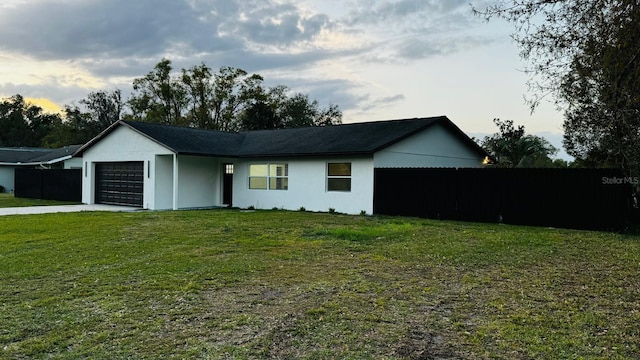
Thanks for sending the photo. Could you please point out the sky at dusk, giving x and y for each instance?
(377, 60)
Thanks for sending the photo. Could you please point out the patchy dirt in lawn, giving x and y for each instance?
(364, 309)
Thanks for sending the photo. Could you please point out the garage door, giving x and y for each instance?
(120, 183)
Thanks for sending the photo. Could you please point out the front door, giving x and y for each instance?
(227, 184)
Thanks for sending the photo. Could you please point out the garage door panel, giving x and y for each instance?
(120, 183)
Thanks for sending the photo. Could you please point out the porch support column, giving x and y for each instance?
(175, 181)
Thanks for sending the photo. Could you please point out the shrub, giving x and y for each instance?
(332, 211)
(363, 212)
(302, 209)
(1, 189)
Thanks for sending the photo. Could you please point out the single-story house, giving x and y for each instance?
(13, 158)
(156, 166)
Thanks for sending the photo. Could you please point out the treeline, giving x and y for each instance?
(229, 100)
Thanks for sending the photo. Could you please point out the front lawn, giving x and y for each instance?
(273, 284)
(8, 200)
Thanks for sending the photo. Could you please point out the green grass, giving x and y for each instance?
(8, 200)
(224, 284)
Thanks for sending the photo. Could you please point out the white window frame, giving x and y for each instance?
(272, 179)
(331, 187)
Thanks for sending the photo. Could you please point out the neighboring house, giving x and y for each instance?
(156, 166)
(13, 158)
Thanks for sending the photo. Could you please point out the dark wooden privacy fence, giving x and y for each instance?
(572, 198)
(49, 184)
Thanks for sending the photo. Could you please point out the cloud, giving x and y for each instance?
(109, 43)
(46, 104)
(408, 30)
(269, 23)
(58, 95)
(367, 105)
(366, 12)
(48, 29)
(392, 99)
(124, 38)
(95, 32)
(425, 46)
(325, 90)
(75, 29)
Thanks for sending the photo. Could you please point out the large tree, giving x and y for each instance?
(511, 147)
(602, 124)
(82, 122)
(585, 54)
(198, 97)
(299, 111)
(228, 100)
(260, 115)
(234, 91)
(24, 124)
(198, 81)
(69, 131)
(159, 97)
(104, 108)
(275, 110)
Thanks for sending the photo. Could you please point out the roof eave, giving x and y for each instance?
(57, 160)
(96, 139)
(22, 163)
(36, 163)
(112, 128)
(315, 154)
(191, 153)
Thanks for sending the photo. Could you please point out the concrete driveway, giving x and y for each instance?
(62, 208)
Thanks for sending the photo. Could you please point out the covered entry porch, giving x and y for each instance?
(183, 182)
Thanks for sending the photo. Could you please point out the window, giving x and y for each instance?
(269, 176)
(258, 176)
(339, 177)
(278, 177)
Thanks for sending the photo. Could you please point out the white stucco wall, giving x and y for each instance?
(434, 147)
(308, 186)
(7, 178)
(198, 182)
(73, 163)
(163, 174)
(123, 144)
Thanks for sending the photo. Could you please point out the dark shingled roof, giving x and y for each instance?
(346, 139)
(21, 156)
(190, 141)
(358, 138)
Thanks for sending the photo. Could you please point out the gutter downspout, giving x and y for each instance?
(175, 181)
